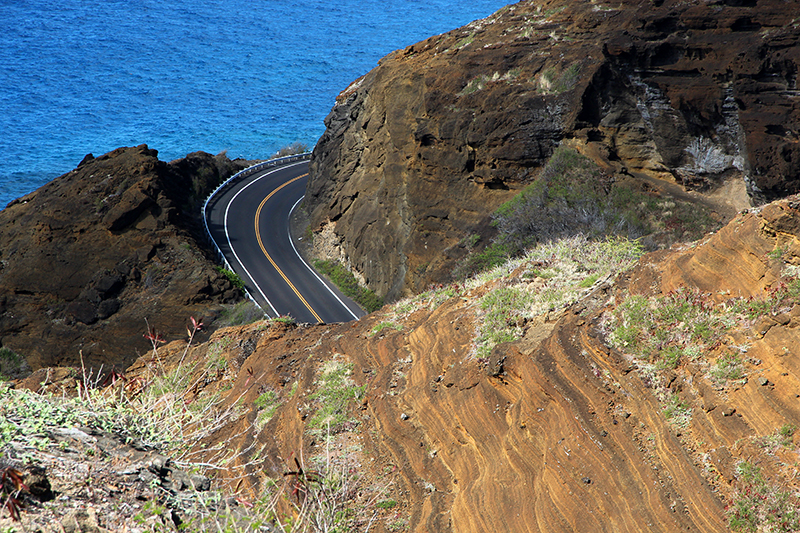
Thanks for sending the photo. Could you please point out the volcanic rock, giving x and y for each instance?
(421, 149)
(88, 258)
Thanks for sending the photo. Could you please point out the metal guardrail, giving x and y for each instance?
(249, 171)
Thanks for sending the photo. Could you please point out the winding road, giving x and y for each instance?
(249, 222)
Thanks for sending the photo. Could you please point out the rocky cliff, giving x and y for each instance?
(660, 399)
(89, 257)
(418, 152)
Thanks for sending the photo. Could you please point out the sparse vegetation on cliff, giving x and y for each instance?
(232, 276)
(295, 148)
(336, 390)
(687, 325)
(573, 196)
(347, 283)
(547, 278)
(759, 505)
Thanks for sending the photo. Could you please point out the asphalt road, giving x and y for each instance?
(250, 224)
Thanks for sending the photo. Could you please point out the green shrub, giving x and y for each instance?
(295, 148)
(232, 276)
(573, 196)
(758, 504)
(677, 412)
(589, 281)
(335, 391)
(244, 312)
(553, 82)
(267, 404)
(385, 325)
(728, 367)
(495, 254)
(386, 504)
(634, 322)
(570, 196)
(283, 319)
(347, 283)
(786, 433)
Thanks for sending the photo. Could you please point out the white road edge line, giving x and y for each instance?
(288, 232)
(228, 237)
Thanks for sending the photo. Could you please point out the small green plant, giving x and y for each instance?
(786, 433)
(678, 412)
(512, 74)
(335, 391)
(589, 281)
(283, 319)
(385, 325)
(476, 84)
(400, 524)
(470, 241)
(216, 362)
(670, 357)
(267, 404)
(777, 253)
(728, 367)
(465, 41)
(232, 276)
(553, 82)
(347, 283)
(783, 437)
(386, 504)
(502, 307)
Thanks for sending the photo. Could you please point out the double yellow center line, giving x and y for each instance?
(269, 258)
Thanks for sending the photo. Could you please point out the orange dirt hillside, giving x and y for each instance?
(568, 428)
(664, 399)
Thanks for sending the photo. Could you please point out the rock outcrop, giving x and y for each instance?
(420, 150)
(87, 258)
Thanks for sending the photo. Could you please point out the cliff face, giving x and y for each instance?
(419, 151)
(87, 258)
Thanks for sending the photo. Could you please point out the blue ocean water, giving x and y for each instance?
(246, 76)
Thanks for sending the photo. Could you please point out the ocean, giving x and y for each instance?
(249, 77)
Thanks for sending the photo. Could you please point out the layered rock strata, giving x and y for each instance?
(556, 431)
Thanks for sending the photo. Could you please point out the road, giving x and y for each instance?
(250, 224)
